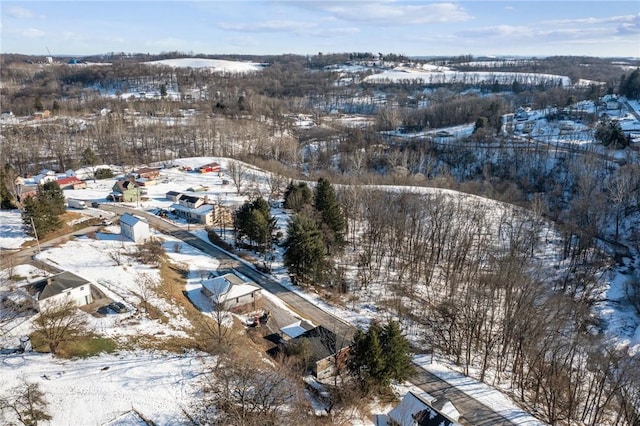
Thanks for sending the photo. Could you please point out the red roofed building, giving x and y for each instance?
(71, 182)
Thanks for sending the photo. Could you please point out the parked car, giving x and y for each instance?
(95, 204)
(105, 222)
(118, 307)
(104, 310)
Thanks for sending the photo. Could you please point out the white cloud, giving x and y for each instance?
(595, 21)
(391, 13)
(19, 13)
(296, 27)
(268, 26)
(31, 33)
(630, 27)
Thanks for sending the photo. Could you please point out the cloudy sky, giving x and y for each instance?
(415, 28)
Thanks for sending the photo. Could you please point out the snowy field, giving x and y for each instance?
(91, 258)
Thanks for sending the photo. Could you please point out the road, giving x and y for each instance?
(472, 410)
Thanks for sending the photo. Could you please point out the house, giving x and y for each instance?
(173, 196)
(294, 330)
(134, 228)
(189, 201)
(128, 190)
(42, 178)
(60, 288)
(328, 350)
(204, 214)
(147, 173)
(417, 410)
(71, 182)
(38, 115)
(26, 191)
(210, 168)
(232, 293)
(197, 188)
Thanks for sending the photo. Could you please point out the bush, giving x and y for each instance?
(103, 173)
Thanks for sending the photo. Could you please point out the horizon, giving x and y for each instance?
(270, 28)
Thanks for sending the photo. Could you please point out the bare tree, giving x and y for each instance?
(246, 392)
(58, 323)
(239, 173)
(25, 403)
(146, 287)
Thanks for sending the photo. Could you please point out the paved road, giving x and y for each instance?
(473, 411)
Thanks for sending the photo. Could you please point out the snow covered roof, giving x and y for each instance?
(228, 287)
(131, 220)
(200, 211)
(418, 410)
(296, 329)
(57, 284)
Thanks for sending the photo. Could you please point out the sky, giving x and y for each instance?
(267, 27)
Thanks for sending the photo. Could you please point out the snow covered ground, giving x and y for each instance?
(90, 258)
(97, 390)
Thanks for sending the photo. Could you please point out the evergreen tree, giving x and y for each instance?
(7, 199)
(52, 197)
(326, 204)
(254, 222)
(380, 355)
(304, 249)
(630, 86)
(610, 134)
(43, 210)
(297, 196)
(397, 352)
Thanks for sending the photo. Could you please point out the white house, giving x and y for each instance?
(133, 227)
(232, 293)
(60, 288)
(203, 214)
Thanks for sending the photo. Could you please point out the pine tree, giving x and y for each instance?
(42, 211)
(7, 199)
(254, 221)
(296, 197)
(326, 204)
(304, 249)
(397, 352)
(380, 355)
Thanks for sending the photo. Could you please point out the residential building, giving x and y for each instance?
(422, 410)
(60, 288)
(229, 292)
(328, 351)
(134, 228)
(128, 190)
(173, 196)
(71, 182)
(147, 173)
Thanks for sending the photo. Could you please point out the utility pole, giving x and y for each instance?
(36, 235)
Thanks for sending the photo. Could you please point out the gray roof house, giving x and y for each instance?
(60, 288)
(423, 410)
